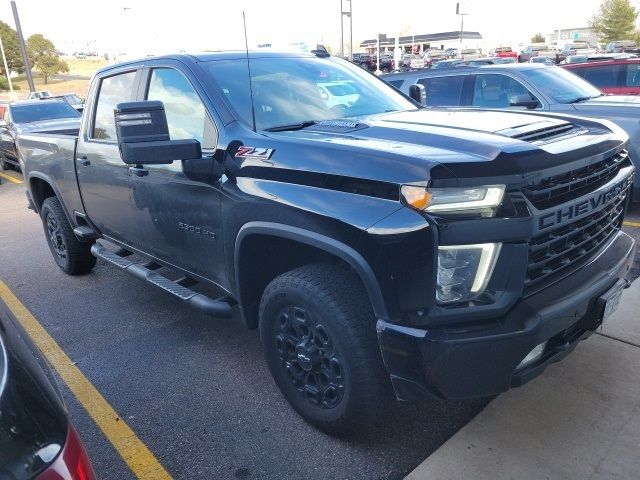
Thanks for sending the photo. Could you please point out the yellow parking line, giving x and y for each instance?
(10, 178)
(135, 453)
(629, 223)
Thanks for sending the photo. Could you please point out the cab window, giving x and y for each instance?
(443, 91)
(186, 115)
(495, 91)
(602, 76)
(113, 90)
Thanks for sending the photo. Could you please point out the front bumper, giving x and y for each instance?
(479, 360)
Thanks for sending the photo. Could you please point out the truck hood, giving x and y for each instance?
(442, 135)
(613, 100)
(60, 125)
(402, 147)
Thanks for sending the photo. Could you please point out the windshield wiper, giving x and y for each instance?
(581, 99)
(293, 126)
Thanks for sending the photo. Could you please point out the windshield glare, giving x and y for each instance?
(44, 110)
(561, 85)
(289, 90)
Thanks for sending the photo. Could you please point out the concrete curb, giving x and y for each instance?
(579, 420)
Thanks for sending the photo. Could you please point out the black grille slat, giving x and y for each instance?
(556, 189)
(544, 133)
(582, 225)
(573, 247)
(549, 253)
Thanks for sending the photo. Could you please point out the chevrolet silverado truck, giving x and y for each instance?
(379, 246)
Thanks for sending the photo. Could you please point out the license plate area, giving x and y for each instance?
(610, 301)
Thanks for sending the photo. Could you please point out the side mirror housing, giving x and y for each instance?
(524, 100)
(143, 136)
(418, 93)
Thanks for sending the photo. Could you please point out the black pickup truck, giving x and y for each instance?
(373, 242)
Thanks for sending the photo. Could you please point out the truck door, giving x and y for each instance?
(179, 218)
(102, 175)
(7, 142)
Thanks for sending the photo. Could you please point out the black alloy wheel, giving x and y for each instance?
(56, 239)
(309, 357)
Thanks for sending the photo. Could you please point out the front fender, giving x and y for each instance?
(321, 242)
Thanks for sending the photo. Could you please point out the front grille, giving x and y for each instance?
(544, 133)
(549, 253)
(558, 189)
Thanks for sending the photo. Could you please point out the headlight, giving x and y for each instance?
(472, 200)
(464, 271)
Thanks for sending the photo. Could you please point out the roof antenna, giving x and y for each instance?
(246, 49)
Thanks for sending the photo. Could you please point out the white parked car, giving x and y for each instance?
(470, 54)
(338, 93)
(38, 95)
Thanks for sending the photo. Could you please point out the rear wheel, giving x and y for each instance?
(71, 255)
(318, 332)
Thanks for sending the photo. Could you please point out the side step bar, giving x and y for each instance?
(85, 233)
(216, 308)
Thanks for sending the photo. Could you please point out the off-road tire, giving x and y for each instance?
(336, 307)
(71, 255)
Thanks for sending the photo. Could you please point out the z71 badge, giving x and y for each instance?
(253, 152)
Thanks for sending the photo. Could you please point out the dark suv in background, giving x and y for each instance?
(529, 87)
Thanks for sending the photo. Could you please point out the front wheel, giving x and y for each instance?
(71, 255)
(318, 333)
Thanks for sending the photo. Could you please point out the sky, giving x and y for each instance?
(144, 27)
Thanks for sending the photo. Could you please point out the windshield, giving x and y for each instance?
(288, 90)
(561, 85)
(35, 112)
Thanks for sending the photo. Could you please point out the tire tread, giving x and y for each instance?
(80, 259)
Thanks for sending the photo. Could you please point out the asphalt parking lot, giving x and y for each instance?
(194, 389)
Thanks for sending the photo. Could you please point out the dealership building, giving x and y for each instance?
(423, 42)
(562, 37)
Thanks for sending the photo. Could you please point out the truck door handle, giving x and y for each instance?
(139, 171)
(84, 161)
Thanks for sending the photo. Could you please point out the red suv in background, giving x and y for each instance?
(620, 77)
(503, 52)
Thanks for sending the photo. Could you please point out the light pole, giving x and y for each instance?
(462, 15)
(23, 48)
(346, 13)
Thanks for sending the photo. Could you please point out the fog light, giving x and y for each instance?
(533, 355)
(464, 271)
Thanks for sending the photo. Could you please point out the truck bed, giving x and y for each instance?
(49, 156)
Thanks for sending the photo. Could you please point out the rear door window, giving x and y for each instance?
(113, 90)
(632, 75)
(444, 91)
(601, 75)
